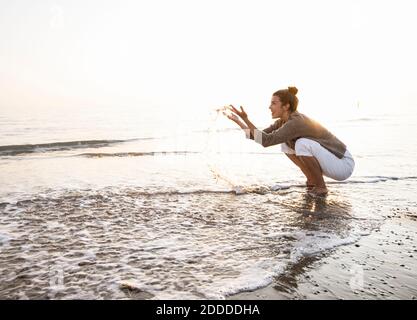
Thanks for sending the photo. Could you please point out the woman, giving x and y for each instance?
(308, 144)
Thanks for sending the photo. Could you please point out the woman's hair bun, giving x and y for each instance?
(292, 90)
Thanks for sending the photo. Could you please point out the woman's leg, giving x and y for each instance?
(309, 165)
(314, 170)
(310, 184)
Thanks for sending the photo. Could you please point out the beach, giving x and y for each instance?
(123, 175)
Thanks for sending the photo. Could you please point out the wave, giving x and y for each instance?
(19, 149)
(133, 154)
(372, 179)
(361, 119)
(12, 150)
(265, 189)
(261, 189)
(234, 190)
(249, 189)
(157, 153)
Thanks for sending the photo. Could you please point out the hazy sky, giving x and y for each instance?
(201, 54)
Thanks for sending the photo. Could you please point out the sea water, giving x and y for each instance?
(112, 204)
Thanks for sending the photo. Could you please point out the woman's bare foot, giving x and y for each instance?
(318, 191)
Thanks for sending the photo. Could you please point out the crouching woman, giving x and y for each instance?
(314, 149)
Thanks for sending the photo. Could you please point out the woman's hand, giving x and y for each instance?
(227, 112)
(242, 114)
(231, 116)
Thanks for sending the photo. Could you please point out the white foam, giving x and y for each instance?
(317, 242)
(4, 239)
(277, 187)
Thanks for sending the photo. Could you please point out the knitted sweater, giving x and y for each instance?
(298, 126)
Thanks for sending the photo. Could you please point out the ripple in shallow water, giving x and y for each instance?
(125, 244)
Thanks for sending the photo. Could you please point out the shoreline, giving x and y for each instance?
(381, 265)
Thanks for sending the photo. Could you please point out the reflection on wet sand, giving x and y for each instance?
(323, 214)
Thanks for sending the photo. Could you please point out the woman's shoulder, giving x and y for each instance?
(300, 119)
(298, 116)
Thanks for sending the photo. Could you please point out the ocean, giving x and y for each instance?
(118, 204)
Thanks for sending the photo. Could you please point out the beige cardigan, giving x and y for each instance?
(298, 126)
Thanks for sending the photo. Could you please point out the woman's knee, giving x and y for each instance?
(303, 147)
(286, 149)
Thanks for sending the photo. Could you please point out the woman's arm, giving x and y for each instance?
(250, 126)
(234, 118)
(244, 116)
(274, 134)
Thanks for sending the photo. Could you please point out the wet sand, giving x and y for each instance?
(382, 265)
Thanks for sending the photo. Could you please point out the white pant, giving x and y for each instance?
(332, 166)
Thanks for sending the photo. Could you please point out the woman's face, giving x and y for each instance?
(276, 107)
